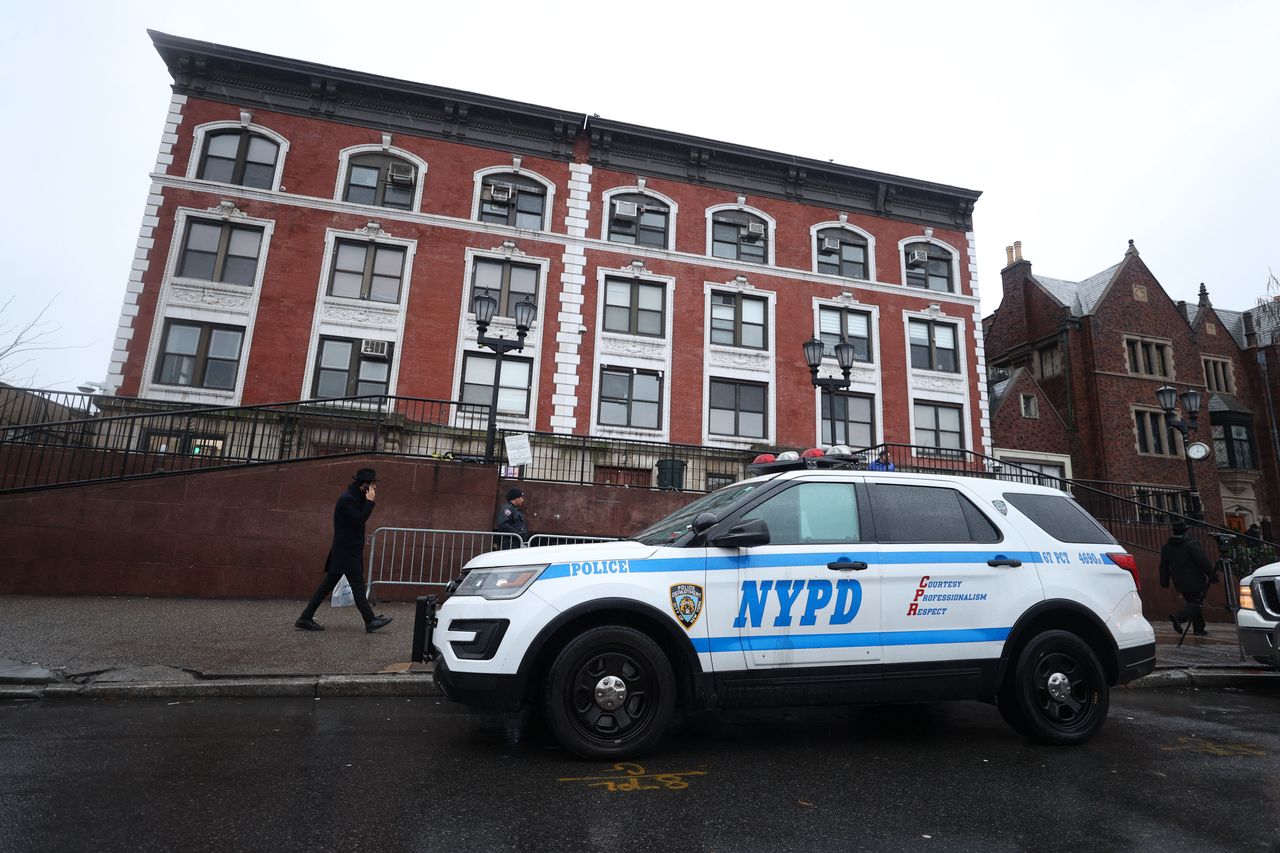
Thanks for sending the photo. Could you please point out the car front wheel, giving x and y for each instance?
(609, 693)
(1058, 689)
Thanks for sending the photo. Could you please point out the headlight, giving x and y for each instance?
(503, 582)
(1246, 597)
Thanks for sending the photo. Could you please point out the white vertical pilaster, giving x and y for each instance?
(569, 332)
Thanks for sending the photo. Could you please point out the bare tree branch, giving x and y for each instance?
(18, 340)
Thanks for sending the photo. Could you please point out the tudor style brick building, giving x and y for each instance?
(1076, 367)
(315, 232)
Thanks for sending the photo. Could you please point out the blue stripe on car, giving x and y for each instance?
(851, 640)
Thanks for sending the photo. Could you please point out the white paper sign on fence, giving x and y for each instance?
(518, 451)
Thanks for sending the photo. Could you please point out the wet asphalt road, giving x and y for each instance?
(1172, 770)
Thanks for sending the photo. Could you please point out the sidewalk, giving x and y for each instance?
(121, 646)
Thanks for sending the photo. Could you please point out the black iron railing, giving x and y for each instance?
(150, 443)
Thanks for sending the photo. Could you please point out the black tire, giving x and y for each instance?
(1007, 704)
(1058, 689)
(592, 727)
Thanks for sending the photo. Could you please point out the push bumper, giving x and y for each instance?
(1135, 662)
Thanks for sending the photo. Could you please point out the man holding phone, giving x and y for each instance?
(346, 554)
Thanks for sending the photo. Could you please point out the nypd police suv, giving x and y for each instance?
(802, 587)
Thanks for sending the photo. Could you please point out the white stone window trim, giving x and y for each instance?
(934, 398)
(200, 131)
(641, 352)
(1170, 439)
(771, 225)
(1012, 456)
(469, 333)
(740, 287)
(478, 183)
(734, 374)
(344, 165)
(225, 314)
(673, 212)
(325, 326)
(956, 284)
(962, 343)
(866, 378)
(866, 237)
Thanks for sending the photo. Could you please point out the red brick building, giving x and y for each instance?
(315, 232)
(1077, 366)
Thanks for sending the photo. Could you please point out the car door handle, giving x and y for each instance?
(847, 565)
(1001, 560)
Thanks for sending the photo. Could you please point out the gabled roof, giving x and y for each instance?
(1079, 296)
(1227, 403)
(1232, 321)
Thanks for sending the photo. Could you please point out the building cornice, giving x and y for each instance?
(249, 79)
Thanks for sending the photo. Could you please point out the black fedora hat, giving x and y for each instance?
(365, 475)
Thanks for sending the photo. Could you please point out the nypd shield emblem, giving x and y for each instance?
(686, 603)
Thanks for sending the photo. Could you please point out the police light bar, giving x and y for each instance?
(800, 462)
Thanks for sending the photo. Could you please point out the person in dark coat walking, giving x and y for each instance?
(346, 554)
(510, 518)
(1183, 560)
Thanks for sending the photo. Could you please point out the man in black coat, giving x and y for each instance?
(346, 554)
(1183, 560)
(510, 519)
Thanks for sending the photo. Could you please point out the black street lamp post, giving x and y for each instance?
(1168, 397)
(485, 306)
(845, 352)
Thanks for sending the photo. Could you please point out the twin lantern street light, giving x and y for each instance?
(1168, 398)
(485, 306)
(845, 353)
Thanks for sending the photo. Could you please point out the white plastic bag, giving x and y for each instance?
(342, 596)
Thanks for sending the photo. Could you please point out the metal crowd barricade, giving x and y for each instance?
(539, 539)
(411, 556)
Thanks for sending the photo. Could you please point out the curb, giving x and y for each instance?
(333, 686)
(1217, 678)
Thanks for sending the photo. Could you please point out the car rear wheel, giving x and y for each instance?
(1059, 689)
(609, 693)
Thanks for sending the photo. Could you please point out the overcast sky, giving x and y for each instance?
(1084, 124)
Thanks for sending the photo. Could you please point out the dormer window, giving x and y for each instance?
(740, 236)
(928, 266)
(382, 180)
(511, 199)
(239, 157)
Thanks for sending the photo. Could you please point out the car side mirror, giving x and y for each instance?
(744, 534)
(705, 521)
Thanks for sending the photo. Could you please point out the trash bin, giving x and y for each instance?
(671, 474)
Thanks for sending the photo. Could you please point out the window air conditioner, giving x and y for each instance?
(500, 192)
(400, 173)
(625, 210)
(375, 349)
(917, 258)
(755, 229)
(830, 245)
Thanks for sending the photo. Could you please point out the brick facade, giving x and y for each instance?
(580, 160)
(1095, 392)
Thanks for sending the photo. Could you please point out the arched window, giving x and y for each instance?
(842, 252)
(239, 156)
(508, 198)
(380, 179)
(639, 219)
(739, 236)
(929, 266)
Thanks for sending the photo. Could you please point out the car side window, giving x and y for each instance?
(811, 513)
(928, 514)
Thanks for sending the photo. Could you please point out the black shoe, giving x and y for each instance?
(376, 623)
(1177, 626)
(308, 625)
(1201, 632)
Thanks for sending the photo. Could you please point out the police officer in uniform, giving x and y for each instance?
(346, 554)
(510, 517)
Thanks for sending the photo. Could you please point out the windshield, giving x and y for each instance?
(677, 524)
